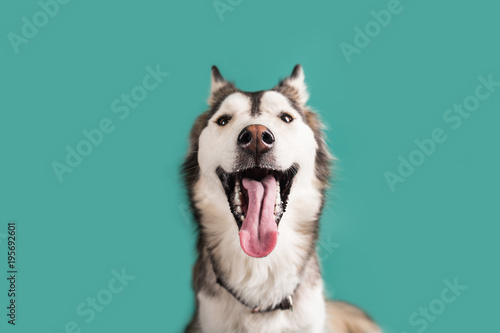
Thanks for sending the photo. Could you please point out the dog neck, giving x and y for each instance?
(269, 283)
(285, 304)
(262, 285)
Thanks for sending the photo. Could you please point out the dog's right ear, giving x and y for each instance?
(218, 82)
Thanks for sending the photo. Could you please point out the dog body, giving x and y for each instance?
(256, 172)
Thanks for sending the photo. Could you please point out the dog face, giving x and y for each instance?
(250, 154)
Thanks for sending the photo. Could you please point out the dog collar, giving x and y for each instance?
(285, 304)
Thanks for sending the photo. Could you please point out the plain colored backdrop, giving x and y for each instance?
(124, 206)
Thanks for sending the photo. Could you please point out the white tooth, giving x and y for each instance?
(242, 218)
(278, 199)
(275, 210)
(237, 193)
(238, 209)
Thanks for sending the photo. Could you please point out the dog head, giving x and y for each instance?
(253, 157)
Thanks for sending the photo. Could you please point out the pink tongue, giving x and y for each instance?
(259, 232)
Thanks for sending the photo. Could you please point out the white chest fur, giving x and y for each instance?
(226, 315)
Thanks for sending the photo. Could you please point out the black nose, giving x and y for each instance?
(256, 140)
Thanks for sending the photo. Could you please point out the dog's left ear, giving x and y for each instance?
(294, 86)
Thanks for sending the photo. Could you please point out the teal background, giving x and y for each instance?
(124, 206)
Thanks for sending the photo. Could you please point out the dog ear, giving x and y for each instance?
(297, 84)
(218, 82)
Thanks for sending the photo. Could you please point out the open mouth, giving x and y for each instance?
(258, 198)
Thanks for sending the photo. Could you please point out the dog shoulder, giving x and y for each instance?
(346, 318)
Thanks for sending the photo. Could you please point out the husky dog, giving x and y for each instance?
(256, 173)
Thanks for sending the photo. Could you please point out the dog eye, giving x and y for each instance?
(286, 118)
(223, 120)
